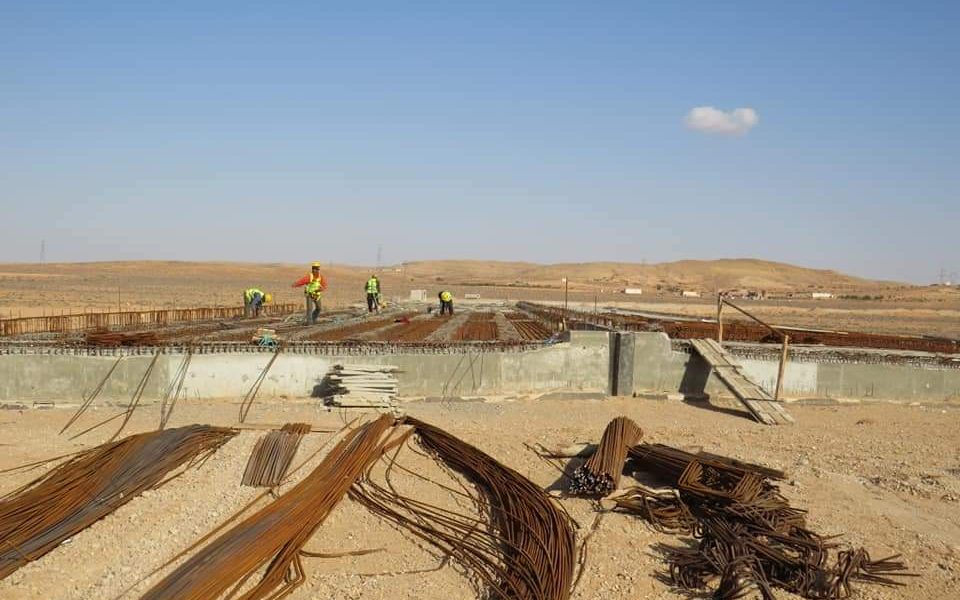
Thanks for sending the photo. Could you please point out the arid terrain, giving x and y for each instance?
(860, 305)
(887, 477)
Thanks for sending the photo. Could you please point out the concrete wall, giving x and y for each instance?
(658, 368)
(591, 361)
(580, 364)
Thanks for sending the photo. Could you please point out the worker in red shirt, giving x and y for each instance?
(314, 286)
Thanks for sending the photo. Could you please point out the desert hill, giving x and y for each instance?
(695, 274)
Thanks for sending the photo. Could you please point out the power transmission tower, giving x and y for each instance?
(43, 251)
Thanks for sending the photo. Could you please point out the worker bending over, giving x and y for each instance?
(253, 301)
(446, 302)
(373, 294)
(314, 286)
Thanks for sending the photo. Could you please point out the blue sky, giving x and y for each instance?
(540, 131)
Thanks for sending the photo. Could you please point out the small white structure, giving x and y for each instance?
(821, 295)
(633, 291)
(471, 296)
(418, 295)
(690, 294)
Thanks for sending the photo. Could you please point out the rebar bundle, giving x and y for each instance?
(272, 455)
(122, 338)
(669, 462)
(600, 475)
(522, 547)
(750, 538)
(39, 516)
(271, 540)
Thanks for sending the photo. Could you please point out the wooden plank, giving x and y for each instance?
(756, 400)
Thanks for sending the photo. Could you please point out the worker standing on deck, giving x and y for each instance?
(314, 286)
(253, 300)
(446, 302)
(373, 294)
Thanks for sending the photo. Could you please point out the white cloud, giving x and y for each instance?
(707, 119)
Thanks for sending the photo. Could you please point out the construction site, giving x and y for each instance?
(479, 301)
(519, 448)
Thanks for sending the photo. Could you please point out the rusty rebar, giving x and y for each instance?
(40, 515)
(600, 475)
(521, 547)
(273, 454)
(272, 539)
(749, 537)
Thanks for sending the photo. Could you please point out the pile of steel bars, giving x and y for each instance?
(669, 462)
(601, 473)
(522, 547)
(272, 455)
(270, 542)
(39, 516)
(122, 338)
(750, 538)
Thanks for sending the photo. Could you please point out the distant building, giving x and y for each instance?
(821, 295)
(418, 295)
(471, 296)
(633, 291)
(690, 294)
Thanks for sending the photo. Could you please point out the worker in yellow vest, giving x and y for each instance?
(253, 300)
(314, 285)
(373, 294)
(446, 302)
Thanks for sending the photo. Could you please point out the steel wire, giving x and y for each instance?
(521, 546)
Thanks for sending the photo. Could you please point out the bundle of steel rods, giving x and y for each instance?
(521, 547)
(272, 455)
(669, 463)
(750, 538)
(270, 542)
(91, 485)
(121, 338)
(600, 475)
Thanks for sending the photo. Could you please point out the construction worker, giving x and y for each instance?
(446, 302)
(373, 294)
(253, 300)
(314, 286)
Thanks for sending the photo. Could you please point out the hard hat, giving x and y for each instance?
(315, 265)
(268, 298)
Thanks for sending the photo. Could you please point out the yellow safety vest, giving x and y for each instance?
(248, 294)
(446, 296)
(373, 286)
(314, 289)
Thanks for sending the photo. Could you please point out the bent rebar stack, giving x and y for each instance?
(523, 547)
(750, 538)
(39, 516)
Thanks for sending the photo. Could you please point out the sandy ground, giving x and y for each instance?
(886, 476)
